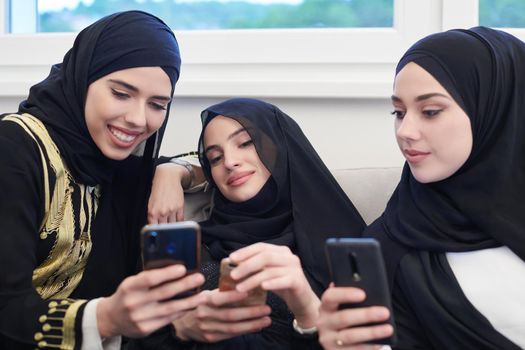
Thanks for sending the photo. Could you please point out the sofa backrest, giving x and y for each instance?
(368, 188)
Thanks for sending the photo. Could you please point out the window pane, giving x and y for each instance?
(73, 15)
(502, 13)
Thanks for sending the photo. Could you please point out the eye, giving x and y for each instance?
(214, 160)
(432, 112)
(158, 106)
(246, 144)
(398, 114)
(119, 94)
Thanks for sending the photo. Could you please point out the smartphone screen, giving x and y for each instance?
(169, 244)
(358, 262)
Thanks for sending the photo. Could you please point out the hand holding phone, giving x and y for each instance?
(358, 262)
(256, 296)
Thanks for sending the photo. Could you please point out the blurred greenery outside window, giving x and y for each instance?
(73, 15)
(502, 13)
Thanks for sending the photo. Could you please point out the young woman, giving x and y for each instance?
(453, 231)
(75, 174)
(274, 204)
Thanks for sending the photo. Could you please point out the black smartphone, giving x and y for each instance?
(358, 262)
(170, 244)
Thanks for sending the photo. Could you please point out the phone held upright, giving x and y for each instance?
(173, 243)
(358, 263)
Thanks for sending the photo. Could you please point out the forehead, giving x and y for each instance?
(219, 129)
(413, 80)
(151, 79)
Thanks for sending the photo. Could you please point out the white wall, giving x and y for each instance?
(345, 132)
(335, 83)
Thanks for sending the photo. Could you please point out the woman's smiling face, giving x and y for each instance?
(126, 107)
(235, 165)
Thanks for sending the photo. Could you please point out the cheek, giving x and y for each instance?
(215, 175)
(155, 121)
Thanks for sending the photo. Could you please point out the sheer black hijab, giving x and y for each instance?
(481, 205)
(116, 42)
(301, 204)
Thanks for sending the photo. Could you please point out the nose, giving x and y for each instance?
(137, 116)
(408, 127)
(231, 159)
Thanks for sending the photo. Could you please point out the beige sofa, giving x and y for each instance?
(368, 188)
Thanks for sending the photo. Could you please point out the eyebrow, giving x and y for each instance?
(136, 89)
(421, 97)
(231, 136)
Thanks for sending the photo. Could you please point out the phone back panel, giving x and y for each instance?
(168, 244)
(358, 262)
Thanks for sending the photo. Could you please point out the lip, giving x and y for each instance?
(414, 156)
(237, 179)
(121, 143)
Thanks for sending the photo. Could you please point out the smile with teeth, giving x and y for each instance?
(122, 136)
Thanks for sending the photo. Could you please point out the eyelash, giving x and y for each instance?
(398, 114)
(430, 113)
(119, 95)
(242, 145)
(123, 96)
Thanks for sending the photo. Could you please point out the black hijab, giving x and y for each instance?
(116, 42)
(119, 41)
(481, 205)
(300, 205)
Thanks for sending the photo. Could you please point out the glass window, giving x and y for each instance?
(73, 15)
(502, 13)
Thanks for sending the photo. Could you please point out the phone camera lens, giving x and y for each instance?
(170, 248)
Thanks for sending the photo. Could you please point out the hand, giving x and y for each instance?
(340, 329)
(277, 269)
(166, 202)
(140, 305)
(215, 321)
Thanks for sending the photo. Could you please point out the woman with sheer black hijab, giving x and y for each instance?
(274, 205)
(453, 232)
(75, 172)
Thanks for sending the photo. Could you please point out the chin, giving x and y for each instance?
(116, 155)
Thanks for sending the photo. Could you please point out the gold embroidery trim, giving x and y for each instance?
(62, 270)
(58, 326)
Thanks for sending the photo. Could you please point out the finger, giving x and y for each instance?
(271, 257)
(236, 328)
(233, 314)
(359, 335)
(172, 217)
(263, 276)
(147, 327)
(152, 218)
(173, 288)
(246, 252)
(358, 316)
(154, 277)
(221, 298)
(179, 215)
(334, 296)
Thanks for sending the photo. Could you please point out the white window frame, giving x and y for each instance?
(298, 63)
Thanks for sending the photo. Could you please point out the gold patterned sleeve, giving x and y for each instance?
(28, 320)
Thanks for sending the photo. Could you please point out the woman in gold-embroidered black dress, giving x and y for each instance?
(75, 173)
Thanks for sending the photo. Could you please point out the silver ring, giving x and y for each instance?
(339, 342)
